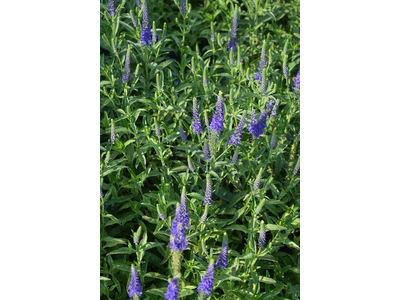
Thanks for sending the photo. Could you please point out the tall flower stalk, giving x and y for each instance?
(256, 184)
(183, 7)
(173, 289)
(235, 138)
(112, 136)
(177, 241)
(263, 63)
(207, 282)
(262, 237)
(208, 195)
(256, 128)
(222, 260)
(217, 122)
(183, 134)
(184, 209)
(135, 290)
(235, 156)
(146, 38)
(233, 36)
(127, 66)
(111, 7)
(196, 123)
(133, 19)
(297, 82)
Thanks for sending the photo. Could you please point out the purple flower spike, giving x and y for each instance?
(296, 168)
(297, 82)
(208, 195)
(160, 213)
(101, 193)
(235, 156)
(177, 240)
(212, 35)
(135, 290)
(183, 134)
(112, 137)
(183, 7)
(217, 123)
(127, 66)
(111, 7)
(222, 259)
(172, 290)
(146, 38)
(273, 113)
(256, 128)
(184, 210)
(133, 18)
(190, 165)
(235, 139)
(138, 4)
(285, 69)
(263, 63)
(261, 239)
(196, 123)
(233, 38)
(269, 105)
(207, 281)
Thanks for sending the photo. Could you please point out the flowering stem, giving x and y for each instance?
(176, 263)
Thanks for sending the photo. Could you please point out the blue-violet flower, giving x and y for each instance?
(261, 239)
(297, 82)
(217, 122)
(208, 195)
(196, 123)
(111, 7)
(222, 259)
(235, 139)
(263, 63)
(135, 290)
(178, 242)
(127, 66)
(207, 281)
(172, 290)
(233, 38)
(146, 31)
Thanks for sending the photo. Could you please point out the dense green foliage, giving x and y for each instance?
(142, 171)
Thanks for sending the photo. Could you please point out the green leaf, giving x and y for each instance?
(186, 292)
(111, 242)
(274, 227)
(274, 292)
(267, 280)
(238, 227)
(196, 195)
(150, 245)
(247, 256)
(123, 250)
(157, 292)
(156, 275)
(104, 278)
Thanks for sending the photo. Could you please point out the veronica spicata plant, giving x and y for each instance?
(187, 178)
